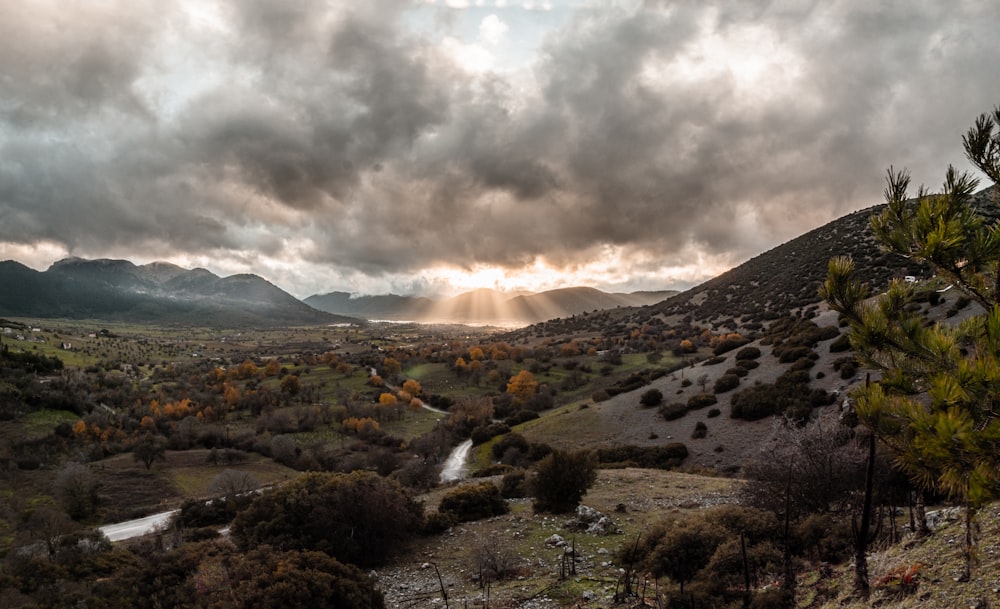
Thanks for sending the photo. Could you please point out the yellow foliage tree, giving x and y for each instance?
(522, 385)
(412, 387)
(391, 366)
(272, 367)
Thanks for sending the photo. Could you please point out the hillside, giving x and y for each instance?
(118, 290)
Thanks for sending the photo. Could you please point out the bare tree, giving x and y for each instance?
(233, 486)
(76, 487)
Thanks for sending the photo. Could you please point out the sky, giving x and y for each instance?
(432, 147)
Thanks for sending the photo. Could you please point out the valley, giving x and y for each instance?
(682, 408)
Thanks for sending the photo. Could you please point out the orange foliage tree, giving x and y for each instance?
(522, 386)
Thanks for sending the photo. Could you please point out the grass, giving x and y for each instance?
(40, 423)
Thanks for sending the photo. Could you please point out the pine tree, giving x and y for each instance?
(936, 404)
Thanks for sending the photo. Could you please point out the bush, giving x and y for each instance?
(728, 345)
(713, 412)
(439, 522)
(511, 440)
(359, 518)
(713, 360)
(738, 371)
(495, 469)
(673, 411)
(561, 480)
(514, 485)
(747, 353)
(474, 502)
(701, 400)
(485, 433)
(653, 397)
(791, 354)
(667, 456)
(600, 396)
(841, 344)
(747, 364)
(726, 382)
(700, 430)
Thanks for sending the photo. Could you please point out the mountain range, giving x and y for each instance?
(119, 290)
(484, 305)
(161, 292)
(771, 284)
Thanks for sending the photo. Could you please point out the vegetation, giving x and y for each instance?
(934, 406)
(473, 502)
(561, 479)
(358, 518)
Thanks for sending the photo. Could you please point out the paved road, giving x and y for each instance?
(137, 527)
(455, 467)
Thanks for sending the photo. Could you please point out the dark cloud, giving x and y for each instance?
(270, 129)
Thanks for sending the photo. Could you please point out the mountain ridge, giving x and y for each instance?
(484, 305)
(158, 292)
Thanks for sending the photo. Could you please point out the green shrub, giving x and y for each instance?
(514, 485)
(747, 353)
(728, 344)
(713, 412)
(485, 433)
(737, 371)
(841, 344)
(652, 397)
(439, 522)
(788, 355)
(803, 363)
(726, 382)
(494, 469)
(667, 456)
(561, 480)
(673, 411)
(747, 364)
(474, 502)
(713, 361)
(511, 440)
(700, 430)
(701, 400)
(359, 518)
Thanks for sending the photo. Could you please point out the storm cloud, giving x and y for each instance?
(335, 146)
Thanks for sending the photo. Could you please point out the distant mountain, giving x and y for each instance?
(157, 292)
(483, 306)
(387, 306)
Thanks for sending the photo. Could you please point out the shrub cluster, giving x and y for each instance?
(700, 400)
(474, 502)
(653, 397)
(726, 382)
(789, 395)
(668, 456)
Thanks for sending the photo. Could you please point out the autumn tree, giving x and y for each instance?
(391, 367)
(936, 403)
(522, 386)
(291, 385)
(272, 367)
(412, 387)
